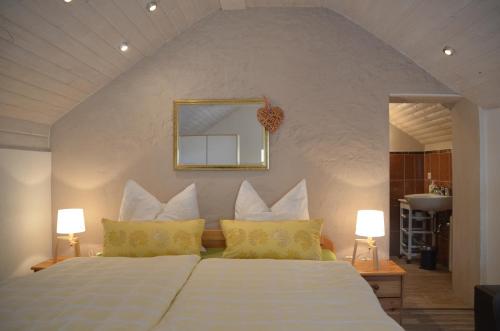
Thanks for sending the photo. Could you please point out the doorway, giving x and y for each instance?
(420, 162)
(421, 155)
(441, 298)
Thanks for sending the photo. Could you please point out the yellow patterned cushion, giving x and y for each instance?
(298, 240)
(152, 238)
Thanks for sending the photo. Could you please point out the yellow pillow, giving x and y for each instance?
(298, 240)
(152, 238)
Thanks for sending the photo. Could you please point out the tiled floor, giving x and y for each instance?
(430, 304)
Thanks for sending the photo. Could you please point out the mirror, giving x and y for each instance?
(219, 134)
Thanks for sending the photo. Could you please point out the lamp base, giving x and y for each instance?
(73, 242)
(371, 245)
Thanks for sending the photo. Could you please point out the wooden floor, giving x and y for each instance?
(429, 302)
(438, 320)
(429, 289)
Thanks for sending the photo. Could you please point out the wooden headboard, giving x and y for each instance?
(215, 238)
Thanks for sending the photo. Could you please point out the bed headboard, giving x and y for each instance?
(215, 238)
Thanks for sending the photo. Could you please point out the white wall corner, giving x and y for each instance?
(233, 4)
(483, 216)
(489, 121)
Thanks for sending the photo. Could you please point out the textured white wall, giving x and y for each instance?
(466, 202)
(26, 236)
(331, 78)
(400, 141)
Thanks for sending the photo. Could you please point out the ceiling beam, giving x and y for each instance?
(428, 117)
(430, 128)
(435, 122)
(420, 110)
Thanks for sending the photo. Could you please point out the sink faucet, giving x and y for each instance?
(436, 190)
(441, 190)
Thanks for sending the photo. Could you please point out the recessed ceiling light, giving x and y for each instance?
(152, 6)
(124, 46)
(447, 50)
(68, 1)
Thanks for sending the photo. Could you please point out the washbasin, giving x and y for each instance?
(429, 202)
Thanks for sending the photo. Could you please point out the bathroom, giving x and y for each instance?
(421, 162)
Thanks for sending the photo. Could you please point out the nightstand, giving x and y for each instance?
(48, 263)
(387, 283)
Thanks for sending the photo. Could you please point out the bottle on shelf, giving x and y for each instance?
(432, 187)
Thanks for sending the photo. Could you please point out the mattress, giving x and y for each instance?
(112, 293)
(216, 252)
(232, 294)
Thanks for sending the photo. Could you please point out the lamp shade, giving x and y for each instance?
(70, 221)
(370, 223)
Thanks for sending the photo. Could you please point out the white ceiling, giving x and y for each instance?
(420, 29)
(53, 55)
(428, 123)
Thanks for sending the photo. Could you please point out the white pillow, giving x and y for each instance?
(183, 206)
(139, 205)
(292, 206)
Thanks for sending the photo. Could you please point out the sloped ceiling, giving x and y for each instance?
(420, 30)
(54, 54)
(428, 123)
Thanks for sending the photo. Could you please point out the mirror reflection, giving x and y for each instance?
(219, 134)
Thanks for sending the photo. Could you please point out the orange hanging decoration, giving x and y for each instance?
(270, 117)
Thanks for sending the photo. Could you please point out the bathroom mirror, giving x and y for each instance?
(219, 135)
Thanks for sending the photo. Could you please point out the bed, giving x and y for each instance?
(185, 293)
(264, 294)
(224, 294)
(95, 294)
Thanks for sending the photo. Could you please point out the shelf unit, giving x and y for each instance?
(416, 230)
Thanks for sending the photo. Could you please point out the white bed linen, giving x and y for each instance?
(112, 293)
(231, 294)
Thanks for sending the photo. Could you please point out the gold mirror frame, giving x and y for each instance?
(265, 136)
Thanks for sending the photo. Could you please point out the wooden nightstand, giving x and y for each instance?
(48, 263)
(387, 283)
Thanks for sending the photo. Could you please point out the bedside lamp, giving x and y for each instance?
(370, 224)
(69, 222)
